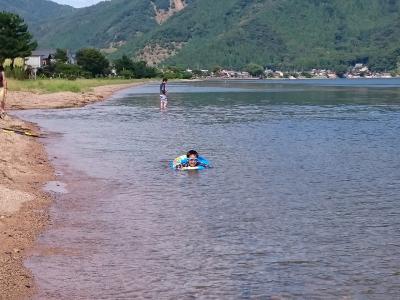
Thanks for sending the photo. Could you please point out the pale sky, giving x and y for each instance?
(78, 3)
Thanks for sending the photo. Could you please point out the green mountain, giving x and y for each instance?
(103, 25)
(280, 33)
(106, 25)
(36, 12)
(285, 34)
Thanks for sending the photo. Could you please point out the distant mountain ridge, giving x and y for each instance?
(107, 25)
(36, 12)
(282, 34)
(104, 25)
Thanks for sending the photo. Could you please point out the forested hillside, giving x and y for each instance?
(284, 34)
(104, 25)
(280, 33)
(36, 12)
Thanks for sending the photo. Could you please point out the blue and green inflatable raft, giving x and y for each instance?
(184, 160)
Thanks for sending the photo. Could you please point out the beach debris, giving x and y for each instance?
(26, 132)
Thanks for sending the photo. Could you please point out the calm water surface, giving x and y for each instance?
(303, 201)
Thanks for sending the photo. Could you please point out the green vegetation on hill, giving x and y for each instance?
(61, 26)
(16, 44)
(99, 25)
(284, 34)
(36, 12)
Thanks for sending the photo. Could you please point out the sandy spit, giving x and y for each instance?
(29, 100)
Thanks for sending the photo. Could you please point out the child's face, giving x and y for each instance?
(192, 160)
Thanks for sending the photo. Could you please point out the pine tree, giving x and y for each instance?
(15, 39)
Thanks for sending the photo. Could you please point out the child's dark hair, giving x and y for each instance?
(192, 152)
(1, 68)
(165, 79)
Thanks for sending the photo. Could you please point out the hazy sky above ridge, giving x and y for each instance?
(78, 3)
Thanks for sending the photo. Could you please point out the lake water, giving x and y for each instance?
(302, 202)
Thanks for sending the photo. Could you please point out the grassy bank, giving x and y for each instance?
(63, 85)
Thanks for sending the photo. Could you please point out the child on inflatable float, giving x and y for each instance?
(192, 160)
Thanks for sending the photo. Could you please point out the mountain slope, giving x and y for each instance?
(212, 33)
(280, 33)
(99, 25)
(36, 12)
(107, 24)
(104, 25)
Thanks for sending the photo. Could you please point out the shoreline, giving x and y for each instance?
(25, 169)
(17, 100)
(298, 79)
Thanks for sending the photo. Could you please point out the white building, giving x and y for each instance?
(40, 58)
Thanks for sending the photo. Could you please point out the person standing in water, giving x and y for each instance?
(3, 92)
(163, 94)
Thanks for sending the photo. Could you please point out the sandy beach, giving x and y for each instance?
(25, 168)
(28, 100)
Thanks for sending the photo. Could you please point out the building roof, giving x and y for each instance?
(44, 52)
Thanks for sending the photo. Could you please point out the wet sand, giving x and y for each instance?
(24, 170)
